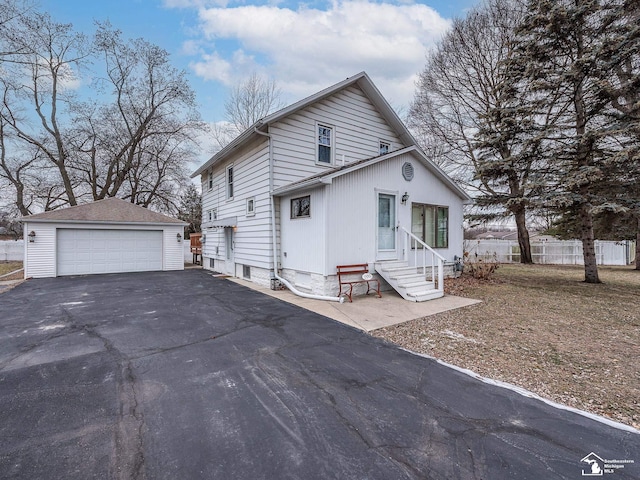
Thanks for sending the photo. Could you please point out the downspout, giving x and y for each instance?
(274, 236)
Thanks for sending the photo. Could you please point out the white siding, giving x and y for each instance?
(253, 232)
(172, 250)
(303, 239)
(358, 129)
(41, 256)
(351, 207)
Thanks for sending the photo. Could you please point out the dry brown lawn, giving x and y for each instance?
(542, 328)
(8, 267)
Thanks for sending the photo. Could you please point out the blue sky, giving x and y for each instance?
(304, 46)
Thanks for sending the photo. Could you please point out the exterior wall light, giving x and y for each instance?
(179, 237)
(32, 236)
(405, 197)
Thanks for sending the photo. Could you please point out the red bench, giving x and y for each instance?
(357, 269)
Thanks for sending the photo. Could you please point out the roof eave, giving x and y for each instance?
(104, 222)
(229, 148)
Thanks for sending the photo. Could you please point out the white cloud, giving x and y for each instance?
(308, 49)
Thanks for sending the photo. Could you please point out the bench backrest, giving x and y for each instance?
(356, 269)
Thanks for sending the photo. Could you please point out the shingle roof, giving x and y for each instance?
(109, 210)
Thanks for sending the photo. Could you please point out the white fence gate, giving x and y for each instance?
(555, 252)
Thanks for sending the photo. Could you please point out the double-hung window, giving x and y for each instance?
(384, 147)
(210, 181)
(229, 181)
(430, 223)
(325, 144)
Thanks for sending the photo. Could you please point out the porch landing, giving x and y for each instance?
(368, 313)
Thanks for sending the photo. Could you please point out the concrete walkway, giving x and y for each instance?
(368, 312)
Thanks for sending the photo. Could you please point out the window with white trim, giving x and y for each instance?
(430, 223)
(251, 206)
(324, 139)
(230, 180)
(301, 207)
(210, 215)
(210, 181)
(384, 147)
(214, 214)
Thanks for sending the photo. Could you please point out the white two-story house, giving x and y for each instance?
(333, 179)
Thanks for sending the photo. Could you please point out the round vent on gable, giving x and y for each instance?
(407, 171)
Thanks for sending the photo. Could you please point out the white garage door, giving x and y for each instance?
(83, 251)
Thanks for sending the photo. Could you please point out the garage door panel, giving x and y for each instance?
(86, 251)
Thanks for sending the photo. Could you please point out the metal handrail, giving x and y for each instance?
(436, 258)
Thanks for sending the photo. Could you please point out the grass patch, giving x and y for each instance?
(542, 328)
(8, 267)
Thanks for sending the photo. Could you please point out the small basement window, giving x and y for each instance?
(301, 207)
(246, 272)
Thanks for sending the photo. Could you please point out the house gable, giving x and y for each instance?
(361, 82)
(356, 127)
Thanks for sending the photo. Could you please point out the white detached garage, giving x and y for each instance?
(107, 236)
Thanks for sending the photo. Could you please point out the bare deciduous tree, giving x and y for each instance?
(248, 102)
(134, 137)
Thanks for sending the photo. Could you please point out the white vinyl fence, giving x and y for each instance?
(556, 252)
(11, 250)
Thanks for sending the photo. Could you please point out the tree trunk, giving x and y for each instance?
(588, 245)
(638, 244)
(523, 237)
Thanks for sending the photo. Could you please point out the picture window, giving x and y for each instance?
(430, 223)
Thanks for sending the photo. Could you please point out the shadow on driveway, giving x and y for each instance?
(173, 375)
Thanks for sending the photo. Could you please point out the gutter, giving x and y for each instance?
(274, 236)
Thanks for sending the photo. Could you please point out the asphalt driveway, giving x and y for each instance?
(179, 375)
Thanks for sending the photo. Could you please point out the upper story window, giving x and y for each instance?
(230, 180)
(325, 144)
(210, 180)
(384, 147)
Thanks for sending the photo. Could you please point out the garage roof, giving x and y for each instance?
(109, 210)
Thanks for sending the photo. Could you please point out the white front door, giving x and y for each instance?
(386, 231)
(229, 246)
